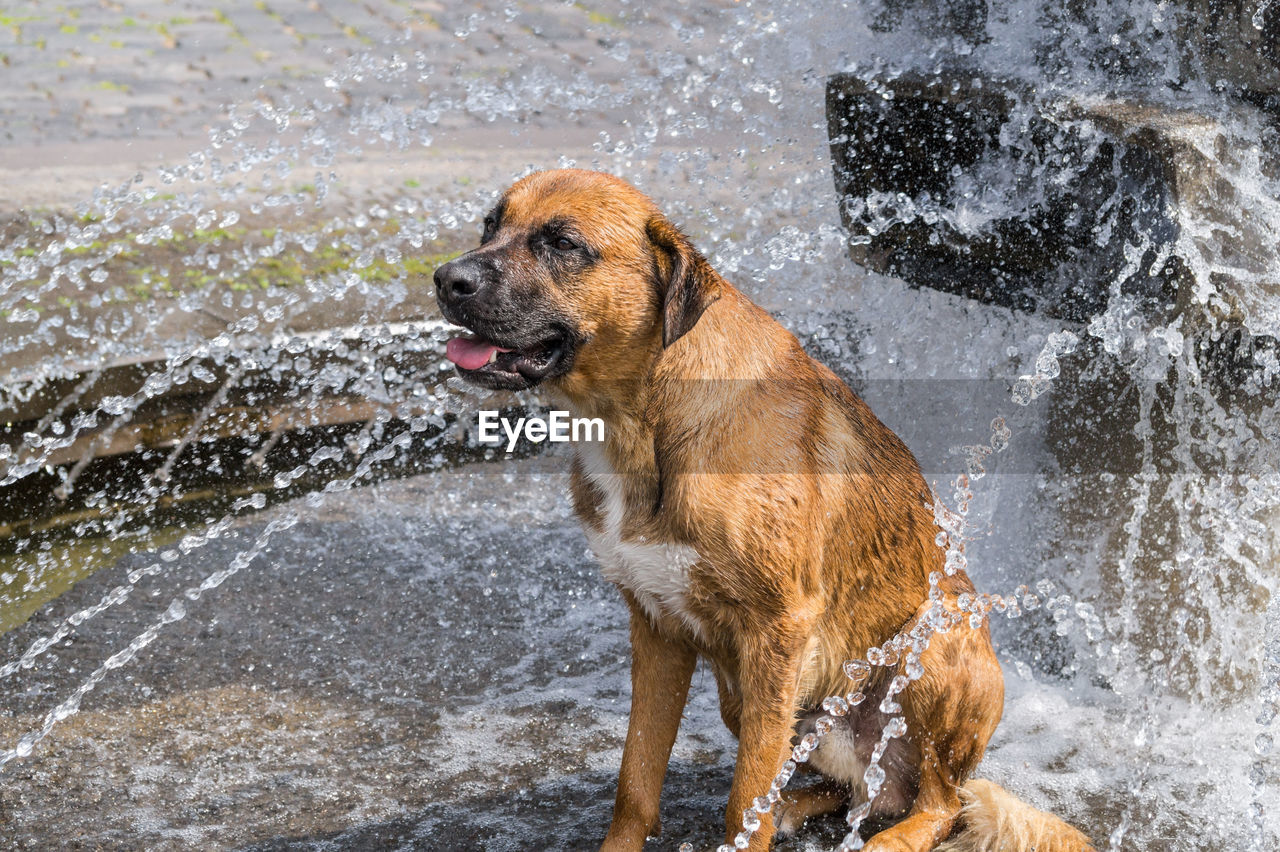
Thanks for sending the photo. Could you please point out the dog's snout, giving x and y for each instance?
(459, 279)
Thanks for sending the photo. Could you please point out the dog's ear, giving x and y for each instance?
(686, 282)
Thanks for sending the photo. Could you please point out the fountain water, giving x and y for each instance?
(214, 608)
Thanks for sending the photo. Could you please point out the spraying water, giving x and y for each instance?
(208, 366)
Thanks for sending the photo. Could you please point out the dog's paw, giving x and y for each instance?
(788, 817)
(887, 844)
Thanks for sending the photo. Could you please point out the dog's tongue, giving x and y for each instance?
(470, 353)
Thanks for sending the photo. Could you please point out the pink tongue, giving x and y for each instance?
(470, 353)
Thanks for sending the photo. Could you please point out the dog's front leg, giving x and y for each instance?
(661, 669)
(770, 676)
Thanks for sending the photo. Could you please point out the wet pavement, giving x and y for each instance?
(448, 671)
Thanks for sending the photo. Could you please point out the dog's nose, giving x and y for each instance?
(459, 279)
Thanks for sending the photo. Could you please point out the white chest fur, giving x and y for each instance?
(655, 573)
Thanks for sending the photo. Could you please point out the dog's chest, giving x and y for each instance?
(655, 573)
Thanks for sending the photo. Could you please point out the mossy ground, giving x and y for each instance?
(238, 258)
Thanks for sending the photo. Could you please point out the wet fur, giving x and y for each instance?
(995, 821)
(752, 511)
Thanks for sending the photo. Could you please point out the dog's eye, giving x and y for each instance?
(564, 244)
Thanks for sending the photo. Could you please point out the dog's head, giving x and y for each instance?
(578, 279)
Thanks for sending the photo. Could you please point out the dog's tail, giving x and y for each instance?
(993, 820)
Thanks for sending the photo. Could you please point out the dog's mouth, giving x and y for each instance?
(491, 364)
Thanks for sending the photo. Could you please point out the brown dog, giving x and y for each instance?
(751, 509)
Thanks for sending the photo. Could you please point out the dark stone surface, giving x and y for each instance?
(974, 187)
(1053, 248)
(1232, 44)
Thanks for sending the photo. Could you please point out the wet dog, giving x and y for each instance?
(752, 511)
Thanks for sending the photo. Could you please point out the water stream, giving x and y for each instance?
(236, 475)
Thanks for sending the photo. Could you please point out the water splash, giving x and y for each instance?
(1162, 606)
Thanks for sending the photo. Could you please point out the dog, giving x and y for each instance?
(752, 511)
